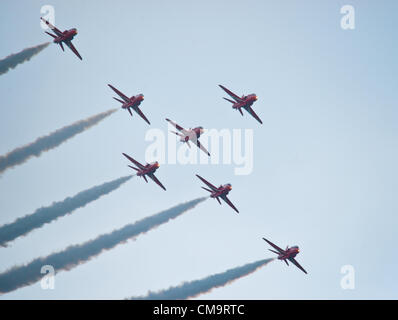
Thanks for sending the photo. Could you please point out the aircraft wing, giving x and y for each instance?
(72, 47)
(207, 183)
(53, 28)
(231, 94)
(225, 198)
(152, 176)
(178, 127)
(292, 260)
(136, 109)
(274, 246)
(120, 94)
(254, 115)
(139, 165)
(201, 147)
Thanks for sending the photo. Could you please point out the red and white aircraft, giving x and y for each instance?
(132, 102)
(244, 102)
(220, 192)
(146, 170)
(287, 254)
(190, 134)
(61, 37)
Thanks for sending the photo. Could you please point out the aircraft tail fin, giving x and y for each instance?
(118, 100)
(240, 110)
(136, 169)
(177, 133)
(218, 200)
(146, 180)
(273, 251)
(62, 46)
(229, 100)
(50, 34)
(286, 262)
(206, 189)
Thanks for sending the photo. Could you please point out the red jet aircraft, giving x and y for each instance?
(63, 37)
(147, 170)
(220, 192)
(287, 254)
(244, 102)
(132, 102)
(189, 135)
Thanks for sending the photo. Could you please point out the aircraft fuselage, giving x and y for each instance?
(194, 134)
(289, 253)
(67, 35)
(149, 168)
(133, 102)
(222, 190)
(247, 101)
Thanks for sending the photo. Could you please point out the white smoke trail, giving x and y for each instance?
(26, 224)
(46, 143)
(194, 288)
(72, 256)
(11, 61)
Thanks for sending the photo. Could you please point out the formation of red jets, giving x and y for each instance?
(186, 136)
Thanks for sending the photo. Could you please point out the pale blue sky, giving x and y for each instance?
(325, 158)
